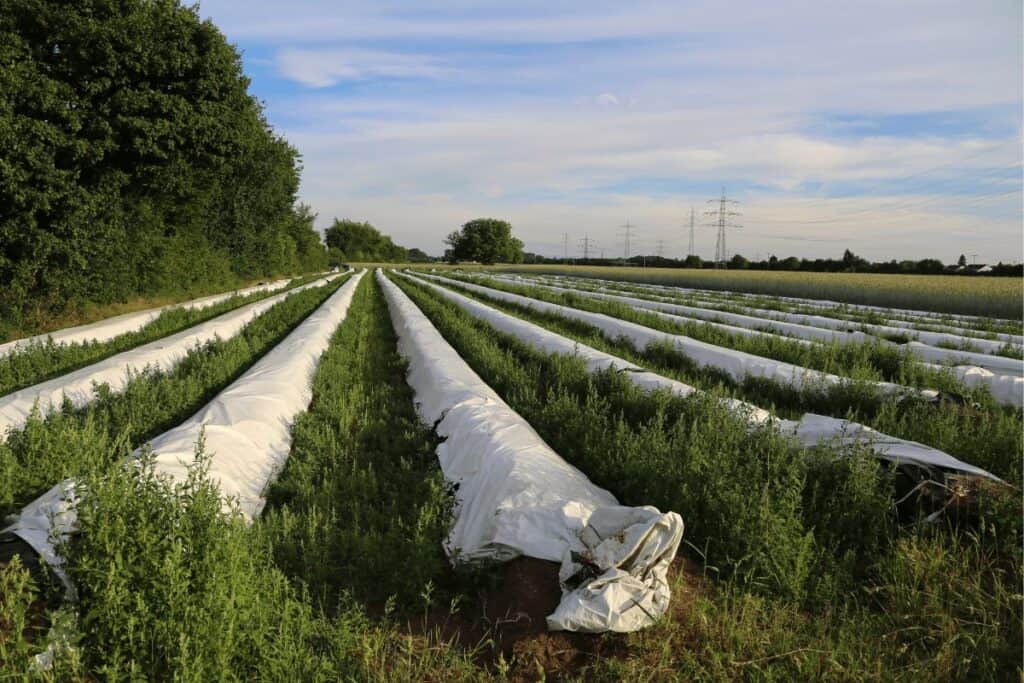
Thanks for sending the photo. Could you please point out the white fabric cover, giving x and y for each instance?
(1005, 383)
(516, 496)
(811, 430)
(736, 364)
(107, 329)
(819, 328)
(117, 370)
(247, 430)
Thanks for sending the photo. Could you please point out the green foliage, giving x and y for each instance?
(361, 242)
(135, 161)
(361, 505)
(487, 240)
(69, 443)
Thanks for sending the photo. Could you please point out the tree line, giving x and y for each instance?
(135, 162)
(849, 263)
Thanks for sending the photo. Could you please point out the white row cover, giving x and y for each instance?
(105, 330)
(811, 430)
(673, 294)
(1001, 376)
(939, 318)
(516, 496)
(247, 431)
(736, 364)
(821, 328)
(117, 370)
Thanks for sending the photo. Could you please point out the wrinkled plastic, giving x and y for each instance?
(516, 496)
(107, 329)
(246, 427)
(77, 386)
(811, 430)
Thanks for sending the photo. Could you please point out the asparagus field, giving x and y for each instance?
(445, 475)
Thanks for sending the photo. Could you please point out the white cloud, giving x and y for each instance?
(320, 68)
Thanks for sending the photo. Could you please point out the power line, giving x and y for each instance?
(722, 220)
(692, 218)
(586, 244)
(628, 234)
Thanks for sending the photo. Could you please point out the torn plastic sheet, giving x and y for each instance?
(246, 427)
(107, 329)
(811, 430)
(117, 370)
(1006, 385)
(516, 496)
(820, 328)
(737, 364)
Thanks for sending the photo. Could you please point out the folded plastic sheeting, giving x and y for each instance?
(116, 371)
(1005, 384)
(247, 431)
(811, 430)
(105, 330)
(516, 496)
(737, 364)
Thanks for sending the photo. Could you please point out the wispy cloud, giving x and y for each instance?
(846, 121)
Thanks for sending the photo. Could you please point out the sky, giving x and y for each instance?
(890, 128)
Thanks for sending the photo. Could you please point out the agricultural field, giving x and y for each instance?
(437, 474)
(985, 296)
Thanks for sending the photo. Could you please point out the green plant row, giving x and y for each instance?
(987, 436)
(71, 442)
(809, 532)
(41, 361)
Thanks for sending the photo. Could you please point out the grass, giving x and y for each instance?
(988, 296)
(70, 442)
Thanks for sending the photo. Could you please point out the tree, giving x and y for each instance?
(738, 262)
(354, 241)
(693, 261)
(962, 261)
(487, 240)
(418, 256)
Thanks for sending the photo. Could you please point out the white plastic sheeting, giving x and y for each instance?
(939, 318)
(117, 370)
(516, 496)
(247, 431)
(819, 328)
(811, 430)
(1001, 376)
(736, 364)
(105, 330)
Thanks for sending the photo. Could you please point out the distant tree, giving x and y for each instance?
(738, 262)
(962, 261)
(790, 263)
(773, 262)
(417, 256)
(355, 241)
(487, 240)
(930, 266)
(693, 261)
(853, 263)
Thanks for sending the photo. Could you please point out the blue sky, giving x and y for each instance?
(891, 128)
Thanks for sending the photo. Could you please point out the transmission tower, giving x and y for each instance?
(628, 234)
(661, 248)
(692, 219)
(722, 219)
(586, 244)
(565, 246)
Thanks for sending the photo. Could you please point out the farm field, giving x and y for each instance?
(805, 553)
(1001, 297)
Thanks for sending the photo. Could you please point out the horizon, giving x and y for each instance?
(892, 131)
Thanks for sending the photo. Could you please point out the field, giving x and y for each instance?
(1001, 297)
(814, 548)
